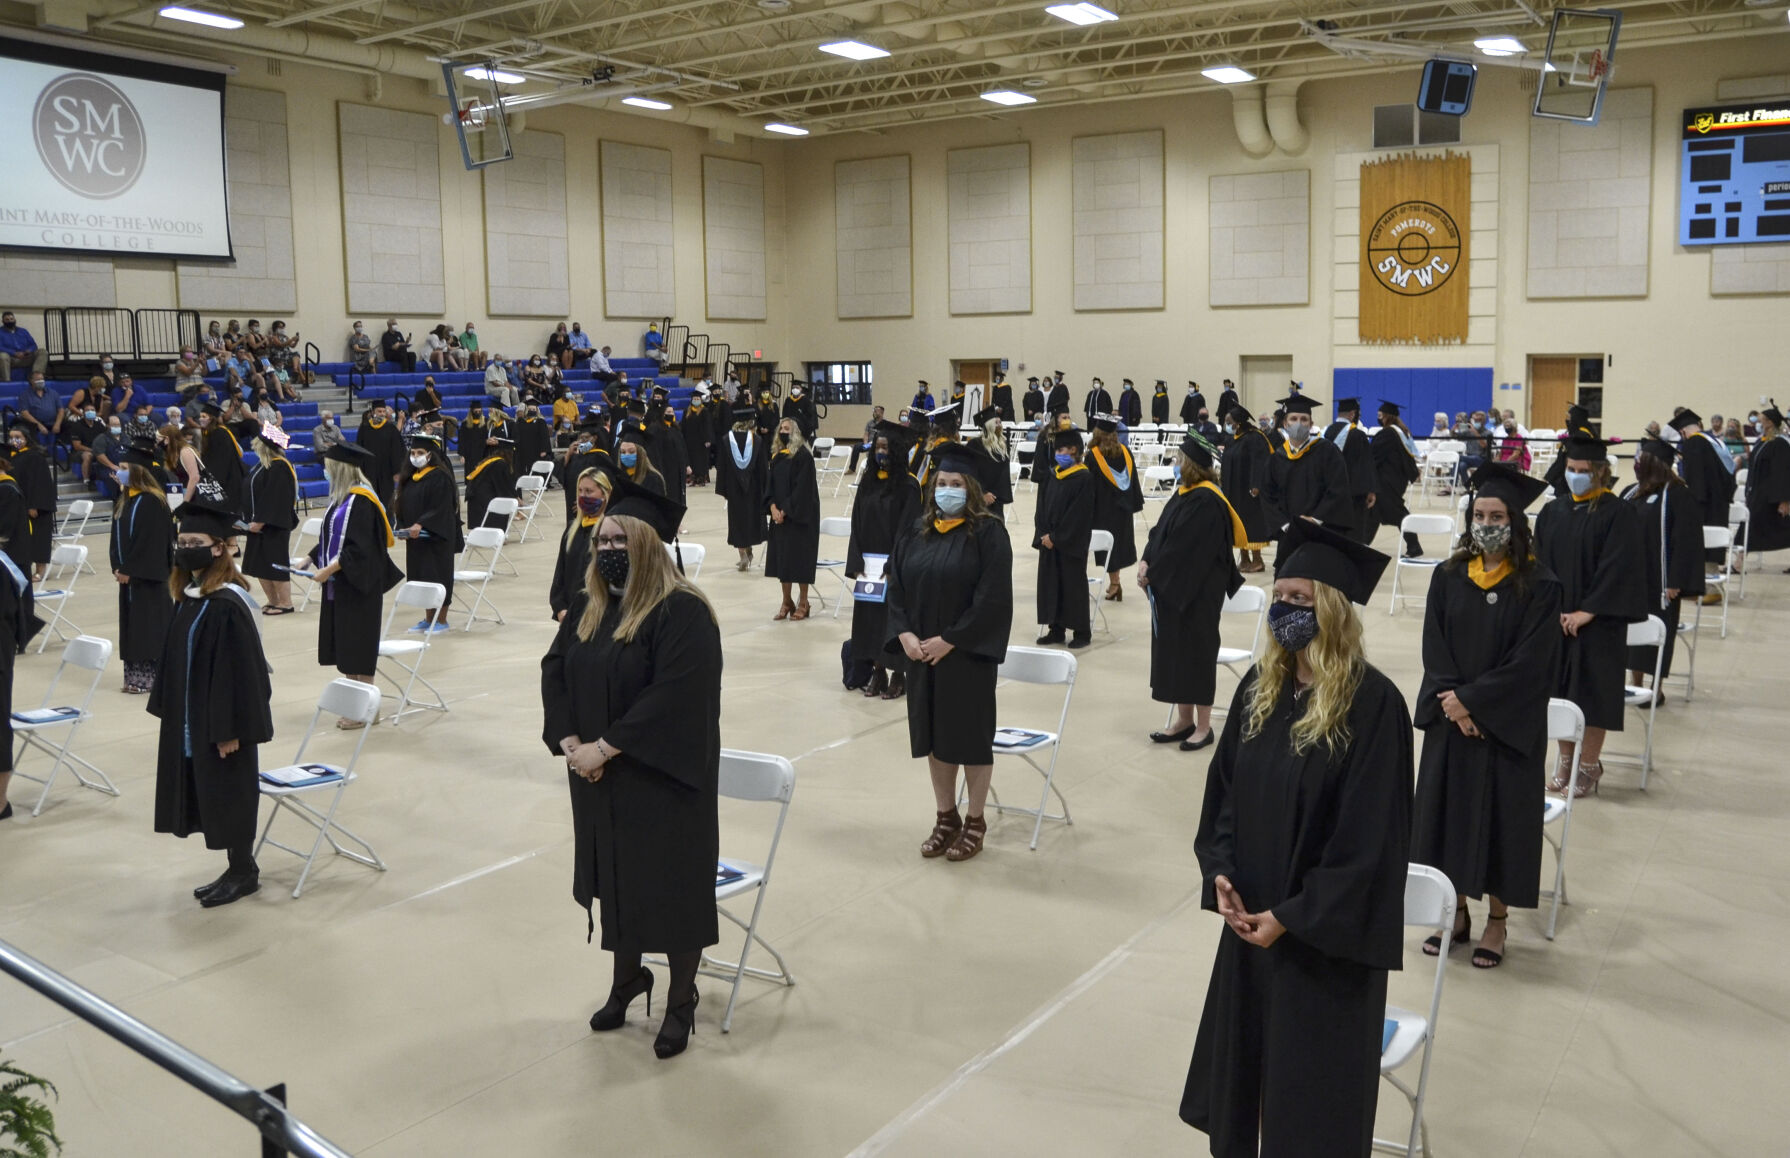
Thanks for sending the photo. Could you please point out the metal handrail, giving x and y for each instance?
(273, 1120)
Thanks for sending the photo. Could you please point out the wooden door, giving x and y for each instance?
(1553, 386)
(977, 378)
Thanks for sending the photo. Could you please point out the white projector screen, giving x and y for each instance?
(111, 156)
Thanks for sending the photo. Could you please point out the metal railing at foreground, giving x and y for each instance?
(281, 1133)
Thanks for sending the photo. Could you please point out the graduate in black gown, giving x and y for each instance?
(30, 467)
(428, 519)
(379, 436)
(800, 407)
(15, 518)
(1767, 486)
(222, 455)
(1187, 570)
(1098, 400)
(631, 699)
(532, 435)
(473, 436)
(1591, 541)
(270, 509)
(1227, 398)
(941, 428)
(1707, 476)
(1491, 646)
(1062, 525)
(1000, 396)
(1307, 476)
(141, 553)
(214, 701)
(1033, 402)
(1131, 407)
(766, 415)
(590, 492)
(354, 567)
(1245, 473)
(1395, 468)
(668, 451)
(591, 446)
(1672, 540)
(698, 433)
(489, 479)
(1159, 402)
(792, 500)
(1578, 423)
(1192, 404)
(1043, 456)
(993, 470)
(950, 601)
(1056, 394)
(1118, 497)
(635, 460)
(1303, 845)
(885, 510)
(19, 624)
(1358, 456)
(742, 472)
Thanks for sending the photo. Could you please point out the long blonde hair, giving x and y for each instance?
(652, 577)
(174, 440)
(342, 476)
(796, 441)
(1337, 665)
(995, 444)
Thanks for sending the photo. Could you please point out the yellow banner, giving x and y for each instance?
(1414, 231)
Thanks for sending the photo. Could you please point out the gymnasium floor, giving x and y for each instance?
(1023, 1003)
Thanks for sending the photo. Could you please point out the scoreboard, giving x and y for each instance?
(1735, 179)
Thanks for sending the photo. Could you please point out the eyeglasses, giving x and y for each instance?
(610, 541)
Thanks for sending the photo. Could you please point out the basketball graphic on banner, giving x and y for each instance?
(1414, 249)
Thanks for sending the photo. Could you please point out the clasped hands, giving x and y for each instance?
(1458, 715)
(928, 651)
(1571, 621)
(1259, 929)
(588, 760)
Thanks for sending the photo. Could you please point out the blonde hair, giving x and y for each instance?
(175, 441)
(267, 449)
(598, 475)
(1337, 665)
(652, 577)
(342, 476)
(995, 444)
(796, 441)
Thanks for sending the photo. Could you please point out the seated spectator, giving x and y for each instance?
(240, 374)
(18, 348)
(1511, 448)
(497, 382)
(360, 349)
(142, 420)
(534, 377)
(565, 411)
(394, 346)
(428, 398)
(469, 341)
(41, 409)
(214, 347)
(234, 339)
(513, 369)
(288, 367)
(266, 413)
(435, 347)
(559, 346)
(83, 428)
(92, 394)
(206, 396)
(255, 343)
(177, 416)
(108, 456)
(189, 374)
(108, 371)
(326, 434)
(581, 350)
(600, 368)
(457, 355)
(125, 396)
(654, 342)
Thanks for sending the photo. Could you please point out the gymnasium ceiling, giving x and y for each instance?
(759, 60)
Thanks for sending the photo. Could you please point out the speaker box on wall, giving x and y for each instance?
(1447, 87)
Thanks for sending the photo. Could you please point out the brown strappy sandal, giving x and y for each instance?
(969, 841)
(944, 835)
(784, 611)
(801, 611)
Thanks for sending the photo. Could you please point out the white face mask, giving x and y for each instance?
(419, 460)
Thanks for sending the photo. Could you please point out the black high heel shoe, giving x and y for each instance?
(1174, 737)
(613, 1014)
(680, 1023)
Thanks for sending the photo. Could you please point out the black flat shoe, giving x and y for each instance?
(615, 1012)
(6, 813)
(1173, 737)
(679, 1024)
(234, 887)
(200, 892)
(1080, 641)
(1196, 745)
(1051, 637)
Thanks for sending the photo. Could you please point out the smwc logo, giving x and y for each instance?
(89, 135)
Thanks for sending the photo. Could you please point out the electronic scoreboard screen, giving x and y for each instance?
(1735, 180)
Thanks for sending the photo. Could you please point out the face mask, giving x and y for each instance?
(1229, 428)
(123, 475)
(1065, 459)
(90, 415)
(192, 560)
(629, 458)
(882, 458)
(590, 506)
(419, 460)
(18, 444)
(1177, 472)
(1297, 431)
(950, 500)
(115, 430)
(1579, 482)
(1293, 627)
(106, 365)
(329, 422)
(1491, 538)
(612, 565)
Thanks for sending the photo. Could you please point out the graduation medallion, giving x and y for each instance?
(1491, 597)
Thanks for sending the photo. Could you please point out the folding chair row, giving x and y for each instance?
(35, 728)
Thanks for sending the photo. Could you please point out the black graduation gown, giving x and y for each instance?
(474, 437)
(1227, 402)
(1767, 485)
(1159, 407)
(1191, 407)
(1477, 812)
(1245, 468)
(1066, 514)
(1289, 1041)
(19, 622)
(1711, 486)
(1001, 398)
(534, 443)
(272, 501)
(389, 456)
(1191, 570)
(1394, 470)
(1556, 472)
(1594, 548)
(666, 445)
(883, 511)
(490, 479)
(743, 487)
(957, 585)
(567, 590)
(354, 599)
(767, 420)
(698, 433)
(795, 542)
(213, 687)
(1358, 457)
(142, 547)
(1034, 403)
(222, 456)
(1115, 509)
(1672, 535)
(431, 502)
(994, 474)
(37, 483)
(1057, 399)
(645, 837)
(802, 410)
(1316, 484)
(1097, 401)
(15, 522)
(1131, 408)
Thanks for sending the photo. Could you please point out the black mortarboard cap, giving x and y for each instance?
(1196, 447)
(199, 517)
(983, 415)
(350, 452)
(1067, 438)
(1577, 415)
(1497, 480)
(141, 451)
(1105, 422)
(1585, 448)
(1343, 404)
(1684, 418)
(655, 510)
(1772, 415)
(1389, 408)
(959, 459)
(212, 409)
(1298, 404)
(1309, 550)
(1240, 413)
(1659, 448)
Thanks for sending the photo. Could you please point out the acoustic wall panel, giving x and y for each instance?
(54, 279)
(733, 243)
(1260, 230)
(1118, 227)
(873, 238)
(526, 251)
(988, 196)
(261, 277)
(638, 270)
(1590, 196)
(391, 211)
(1749, 269)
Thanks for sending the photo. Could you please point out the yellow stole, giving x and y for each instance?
(418, 475)
(589, 521)
(384, 521)
(1486, 580)
(946, 526)
(1065, 471)
(1130, 465)
(375, 423)
(482, 466)
(1588, 496)
(1296, 455)
(1239, 537)
(882, 474)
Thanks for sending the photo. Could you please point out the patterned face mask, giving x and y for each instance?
(1293, 627)
(1491, 538)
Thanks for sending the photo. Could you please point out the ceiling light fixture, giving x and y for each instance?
(1081, 13)
(194, 16)
(786, 130)
(1500, 46)
(853, 50)
(1227, 74)
(1004, 96)
(644, 103)
(495, 75)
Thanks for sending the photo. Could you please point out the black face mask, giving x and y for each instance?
(192, 560)
(612, 565)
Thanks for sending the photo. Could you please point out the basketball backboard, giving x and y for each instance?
(1576, 69)
(476, 110)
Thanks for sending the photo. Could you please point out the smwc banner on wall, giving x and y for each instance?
(1414, 233)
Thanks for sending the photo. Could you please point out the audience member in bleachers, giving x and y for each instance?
(125, 397)
(282, 354)
(469, 342)
(428, 396)
(266, 413)
(600, 368)
(360, 349)
(18, 349)
(93, 393)
(256, 345)
(379, 436)
(214, 346)
(18, 625)
(435, 348)
(189, 413)
(559, 346)
(234, 339)
(141, 555)
(394, 346)
(15, 518)
(580, 347)
(428, 520)
(326, 433)
(240, 373)
(497, 382)
(108, 455)
(189, 372)
(565, 414)
(271, 511)
(40, 409)
(82, 430)
(354, 566)
(31, 466)
(653, 344)
(534, 376)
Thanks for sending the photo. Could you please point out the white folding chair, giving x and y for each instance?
(1718, 539)
(1047, 666)
(838, 528)
(500, 515)
(425, 597)
(349, 699)
(1438, 471)
(530, 488)
(1417, 525)
(544, 469)
(1649, 633)
(837, 459)
(1159, 483)
(690, 555)
(1566, 723)
(1429, 903)
(88, 653)
(1098, 541)
(482, 539)
(821, 448)
(53, 600)
(1739, 520)
(74, 526)
(311, 528)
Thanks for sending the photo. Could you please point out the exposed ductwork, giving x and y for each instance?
(1252, 128)
(1282, 106)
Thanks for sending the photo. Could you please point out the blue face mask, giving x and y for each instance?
(629, 458)
(1579, 482)
(1177, 472)
(1065, 459)
(123, 475)
(950, 500)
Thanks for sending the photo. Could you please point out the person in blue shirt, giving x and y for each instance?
(654, 343)
(581, 349)
(41, 408)
(922, 397)
(19, 348)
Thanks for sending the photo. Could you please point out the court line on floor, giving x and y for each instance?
(897, 1126)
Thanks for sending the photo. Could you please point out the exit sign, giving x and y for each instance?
(757, 355)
